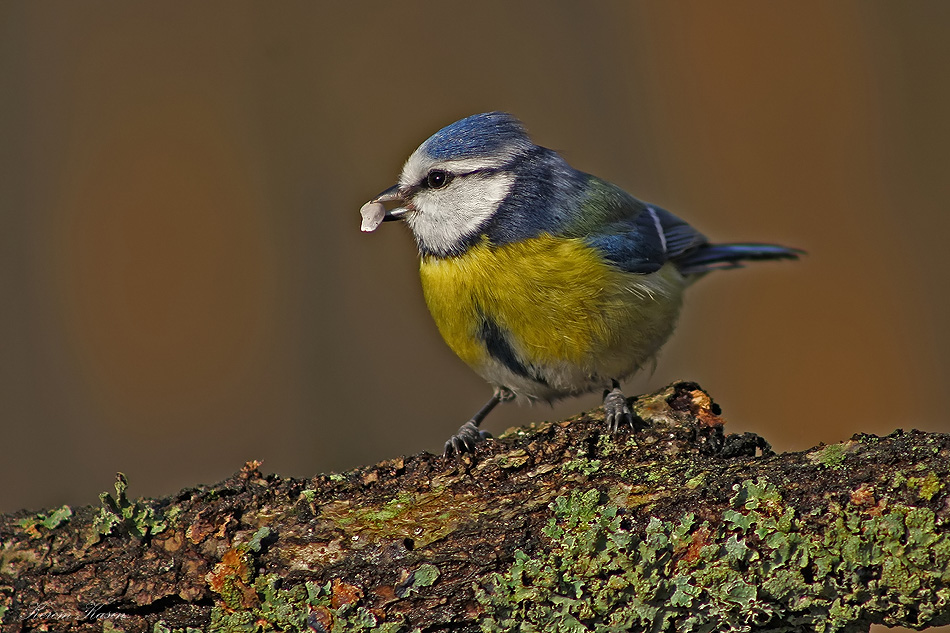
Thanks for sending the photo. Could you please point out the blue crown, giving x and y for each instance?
(477, 135)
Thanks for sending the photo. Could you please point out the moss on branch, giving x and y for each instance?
(555, 527)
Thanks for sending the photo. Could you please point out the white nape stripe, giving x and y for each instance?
(659, 228)
(465, 165)
(419, 163)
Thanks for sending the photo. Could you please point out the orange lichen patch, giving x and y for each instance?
(223, 527)
(704, 409)
(688, 398)
(230, 579)
(32, 531)
(879, 508)
(863, 496)
(199, 530)
(250, 470)
(699, 540)
(344, 593)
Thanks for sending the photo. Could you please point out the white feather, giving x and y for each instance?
(420, 163)
(442, 218)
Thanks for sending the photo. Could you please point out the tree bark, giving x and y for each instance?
(555, 527)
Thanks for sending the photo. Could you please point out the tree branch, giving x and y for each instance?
(556, 527)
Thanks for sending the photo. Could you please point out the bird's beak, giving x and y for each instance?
(375, 213)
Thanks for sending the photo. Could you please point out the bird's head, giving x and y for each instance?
(453, 183)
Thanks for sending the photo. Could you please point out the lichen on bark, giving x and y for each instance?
(553, 527)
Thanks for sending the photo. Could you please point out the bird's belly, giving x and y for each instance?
(548, 317)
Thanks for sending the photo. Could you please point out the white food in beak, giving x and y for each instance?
(373, 213)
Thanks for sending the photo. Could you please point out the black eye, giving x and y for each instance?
(436, 179)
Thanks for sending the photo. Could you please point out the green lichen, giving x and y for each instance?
(254, 544)
(582, 465)
(423, 517)
(927, 486)
(425, 576)
(49, 521)
(296, 609)
(262, 604)
(756, 567)
(120, 515)
(831, 456)
(697, 481)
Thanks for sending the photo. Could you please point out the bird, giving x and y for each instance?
(547, 281)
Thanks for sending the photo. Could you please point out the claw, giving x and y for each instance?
(616, 411)
(469, 435)
(465, 440)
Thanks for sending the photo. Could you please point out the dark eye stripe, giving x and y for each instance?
(487, 171)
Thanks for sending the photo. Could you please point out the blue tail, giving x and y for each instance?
(715, 256)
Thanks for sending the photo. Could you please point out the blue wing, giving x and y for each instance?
(640, 238)
(646, 239)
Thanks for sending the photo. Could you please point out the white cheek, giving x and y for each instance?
(445, 217)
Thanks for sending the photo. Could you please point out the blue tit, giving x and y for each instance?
(547, 281)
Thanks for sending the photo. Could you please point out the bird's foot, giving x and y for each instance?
(465, 440)
(616, 411)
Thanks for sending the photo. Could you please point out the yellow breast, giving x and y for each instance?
(557, 301)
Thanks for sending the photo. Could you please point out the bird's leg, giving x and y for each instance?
(616, 411)
(469, 434)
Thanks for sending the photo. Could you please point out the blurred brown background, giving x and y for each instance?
(183, 282)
